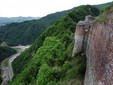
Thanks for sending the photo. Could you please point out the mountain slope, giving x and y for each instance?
(26, 32)
(6, 52)
(102, 6)
(48, 61)
(6, 20)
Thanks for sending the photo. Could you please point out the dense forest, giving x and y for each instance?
(26, 32)
(48, 61)
(6, 52)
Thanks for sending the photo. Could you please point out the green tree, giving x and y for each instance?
(44, 75)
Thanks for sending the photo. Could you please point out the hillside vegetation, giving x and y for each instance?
(48, 61)
(26, 32)
(102, 6)
(106, 16)
(6, 52)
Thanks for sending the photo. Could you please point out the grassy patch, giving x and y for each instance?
(104, 17)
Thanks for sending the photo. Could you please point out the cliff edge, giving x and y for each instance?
(95, 39)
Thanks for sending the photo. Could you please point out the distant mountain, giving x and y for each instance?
(26, 32)
(101, 6)
(6, 20)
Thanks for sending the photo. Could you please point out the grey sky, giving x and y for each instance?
(13, 8)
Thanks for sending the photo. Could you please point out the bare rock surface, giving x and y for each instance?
(96, 40)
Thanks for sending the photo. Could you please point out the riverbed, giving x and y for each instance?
(6, 65)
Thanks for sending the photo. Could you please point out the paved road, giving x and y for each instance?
(7, 71)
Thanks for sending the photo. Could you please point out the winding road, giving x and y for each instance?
(7, 70)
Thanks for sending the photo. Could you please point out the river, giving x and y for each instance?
(6, 65)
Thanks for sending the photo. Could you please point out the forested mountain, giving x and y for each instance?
(26, 32)
(6, 52)
(101, 6)
(6, 20)
(48, 61)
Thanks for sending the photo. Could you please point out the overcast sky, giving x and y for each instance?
(35, 8)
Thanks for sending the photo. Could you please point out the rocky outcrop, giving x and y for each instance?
(81, 35)
(96, 41)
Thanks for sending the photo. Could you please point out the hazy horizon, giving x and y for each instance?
(40, 8)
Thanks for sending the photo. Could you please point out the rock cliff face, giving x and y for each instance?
(96, 41)
(81, 35)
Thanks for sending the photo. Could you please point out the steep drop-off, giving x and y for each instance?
(95, 39)
(48, 61)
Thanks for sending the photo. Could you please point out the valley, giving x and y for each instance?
(6, 65)
(48, 61)
(71, 47)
